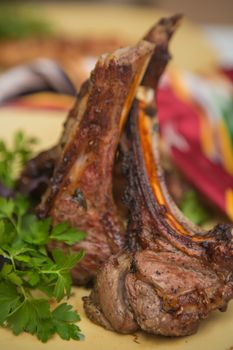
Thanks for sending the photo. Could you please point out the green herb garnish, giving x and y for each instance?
(16, 22)
(28, 268)
(193, 208)
(12, 159)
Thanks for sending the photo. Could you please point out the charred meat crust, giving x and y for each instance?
(80, 190)
(34, 179)
(205, 245)
(110, 83)
(175, 279)
(177, 273)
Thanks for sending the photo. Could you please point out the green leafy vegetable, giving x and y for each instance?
(27, 267)
(11, 160)
(192, 207)
(17, 22)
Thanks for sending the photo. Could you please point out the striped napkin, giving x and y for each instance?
(196, 118)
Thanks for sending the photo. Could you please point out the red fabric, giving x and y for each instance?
(208, 177)
(228, 72)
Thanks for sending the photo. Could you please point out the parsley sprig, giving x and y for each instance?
(28, 268)
(33, 281)
(12, 159)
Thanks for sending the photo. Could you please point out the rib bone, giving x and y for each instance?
(81, 187)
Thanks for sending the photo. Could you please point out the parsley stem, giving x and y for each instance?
(23, 292)
(13, 262)
(19, 223)
(17, 308)
(50, 272)
(12, 221)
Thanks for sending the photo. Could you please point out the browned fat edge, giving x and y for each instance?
(146, 168)
(200, 246)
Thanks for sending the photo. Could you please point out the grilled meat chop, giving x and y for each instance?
(81, 188)
(171, 274)
(38, 171)
(161, 274)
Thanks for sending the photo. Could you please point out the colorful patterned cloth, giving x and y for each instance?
(196, 118)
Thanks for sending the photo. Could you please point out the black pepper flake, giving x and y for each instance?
(78, 196)
(174, 290)
(150, 111)
(133, 266)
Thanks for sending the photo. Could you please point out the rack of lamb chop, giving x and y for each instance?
(80, 190)
(171, 273)
(156, 272)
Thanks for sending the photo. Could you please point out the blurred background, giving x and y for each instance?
(48, 48)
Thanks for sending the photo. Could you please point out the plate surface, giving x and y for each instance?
(215, 333)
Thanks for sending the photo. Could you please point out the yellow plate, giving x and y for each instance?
(215, 333)
(191, 51)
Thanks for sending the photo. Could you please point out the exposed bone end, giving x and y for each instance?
(127, 55)
(164, 29)
(160, 34)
